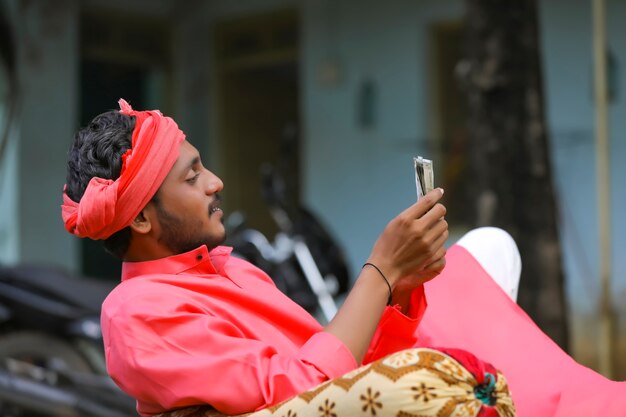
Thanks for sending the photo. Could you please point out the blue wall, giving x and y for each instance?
(358, 179)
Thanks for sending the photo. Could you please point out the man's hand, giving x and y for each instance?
(401, 293)
(411, 251)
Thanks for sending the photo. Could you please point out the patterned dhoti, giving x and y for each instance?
(420, 382)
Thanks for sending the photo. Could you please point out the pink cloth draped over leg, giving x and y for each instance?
(468, 310)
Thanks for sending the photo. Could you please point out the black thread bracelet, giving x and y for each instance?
(382, 275)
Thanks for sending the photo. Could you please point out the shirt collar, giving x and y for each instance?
(200, 258)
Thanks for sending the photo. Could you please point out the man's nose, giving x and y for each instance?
(214, 184)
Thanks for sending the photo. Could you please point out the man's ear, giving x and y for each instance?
(141, 224)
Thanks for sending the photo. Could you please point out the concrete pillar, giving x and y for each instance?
(191, 75)
(48, 54)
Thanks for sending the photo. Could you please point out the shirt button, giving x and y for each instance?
(199, 257)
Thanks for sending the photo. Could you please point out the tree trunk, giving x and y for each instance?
(509, 154)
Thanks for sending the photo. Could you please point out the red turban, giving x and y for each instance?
(108, 206)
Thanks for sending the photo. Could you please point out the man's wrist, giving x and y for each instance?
(402, 297)
(392, 275)
(382, 275)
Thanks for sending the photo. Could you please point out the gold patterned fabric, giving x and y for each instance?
(419, 382)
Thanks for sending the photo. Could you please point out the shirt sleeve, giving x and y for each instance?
(397, 331)
(170, 355)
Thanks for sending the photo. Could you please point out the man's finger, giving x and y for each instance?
(438, 226)
(437, 257)
(437, 266)
(424, 204)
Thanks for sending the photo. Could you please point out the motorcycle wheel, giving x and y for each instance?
(43, 351)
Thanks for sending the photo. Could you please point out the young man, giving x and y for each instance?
(157, 207)
(191, 325)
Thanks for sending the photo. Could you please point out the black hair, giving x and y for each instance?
(97, 152)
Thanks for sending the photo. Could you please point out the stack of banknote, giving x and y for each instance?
(424, 177)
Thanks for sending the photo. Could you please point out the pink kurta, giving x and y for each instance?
(210, 328)
(468, 310)
(196, 328)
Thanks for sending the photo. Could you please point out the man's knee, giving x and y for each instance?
(497, 252)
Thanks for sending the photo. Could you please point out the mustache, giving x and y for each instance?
(215, 203)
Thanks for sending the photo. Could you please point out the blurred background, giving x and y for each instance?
(502, 96)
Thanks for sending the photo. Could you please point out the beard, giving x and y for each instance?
(181, 236)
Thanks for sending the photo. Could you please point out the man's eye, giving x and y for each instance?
(193, 179)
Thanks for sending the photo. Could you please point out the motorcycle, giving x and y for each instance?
(304, 259)
(51, 351)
